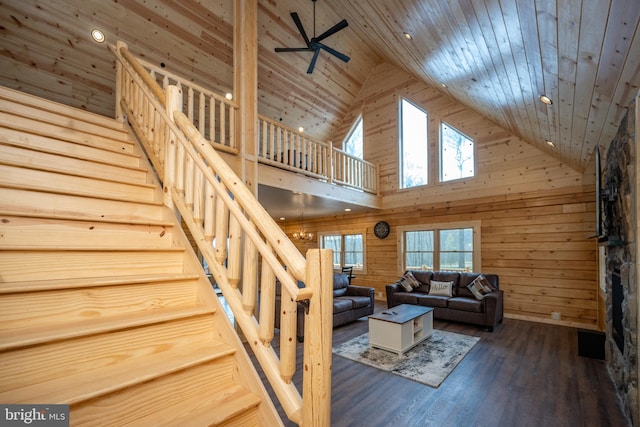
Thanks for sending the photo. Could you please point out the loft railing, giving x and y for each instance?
(212, 114)
(245, 249)
(278, 145)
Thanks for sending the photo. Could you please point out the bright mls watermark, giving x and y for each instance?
(34, 415)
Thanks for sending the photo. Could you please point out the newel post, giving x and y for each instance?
(174, 103)
(318, 329)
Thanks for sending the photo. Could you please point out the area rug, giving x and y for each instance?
(429, 362)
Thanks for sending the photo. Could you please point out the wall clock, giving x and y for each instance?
(381, 229)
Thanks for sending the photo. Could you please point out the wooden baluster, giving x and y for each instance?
(223, 128)
(180, 169)
(234, 260)
(209, 212)
(222, 221)
(232, 127)
(267, 304)
(198, 197)
(188, 182)
(201, 111)
(249, 277)
(174, 103)
(212, 119)
(190, 102)
(288, 319)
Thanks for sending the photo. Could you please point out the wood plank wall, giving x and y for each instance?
(536, 213)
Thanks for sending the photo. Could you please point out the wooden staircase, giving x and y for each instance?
(103, 303)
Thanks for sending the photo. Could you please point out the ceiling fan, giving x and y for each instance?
(314, 45)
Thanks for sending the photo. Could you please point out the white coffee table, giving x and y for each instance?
(400, 328)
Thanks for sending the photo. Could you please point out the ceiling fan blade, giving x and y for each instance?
(296, 19)
(313, 62)
(293, 49)
(339, 26)
(334, 52)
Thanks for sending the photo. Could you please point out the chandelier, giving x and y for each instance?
(302, 235)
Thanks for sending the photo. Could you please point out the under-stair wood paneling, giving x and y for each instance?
(103, 303)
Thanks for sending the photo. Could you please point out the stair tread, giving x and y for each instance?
(64, 183)
(24, 337)
(233, 401)
(58, 284)
(73, 166)
(51, 145)
(81, 386)
(14, 95)
(87, 219)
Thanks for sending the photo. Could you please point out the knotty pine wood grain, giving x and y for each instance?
(536, 242)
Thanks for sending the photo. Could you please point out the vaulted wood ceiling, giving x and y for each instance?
(495, 56)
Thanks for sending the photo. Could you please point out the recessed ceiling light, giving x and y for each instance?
(97, 35)
(300, 129)
(551, 143)
(347, 209)
(546, 100)
(444, 85)
(282, 218)
(229, 96)
(407, 36)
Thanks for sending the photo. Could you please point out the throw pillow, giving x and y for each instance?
(409, 277)
(485, 283)
(441, 288)
(477, 288)
(409, 282)
(405, 284)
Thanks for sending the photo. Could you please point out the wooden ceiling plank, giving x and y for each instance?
(526, 55)
(592, 28)
(568, 42)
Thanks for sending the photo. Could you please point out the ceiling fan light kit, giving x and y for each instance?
(315, 43)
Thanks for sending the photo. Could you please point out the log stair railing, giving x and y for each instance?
(103, 304)
(246, 251)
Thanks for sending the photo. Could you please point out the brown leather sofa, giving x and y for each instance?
(462, 306)
(349, 303)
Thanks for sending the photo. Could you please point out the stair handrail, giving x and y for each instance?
(216, 204)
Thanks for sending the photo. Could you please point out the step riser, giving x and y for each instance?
(26, 232)
(17, 265)
(21, 157)
(52, 145)
(26, 369)
(36, 127)
(20, 201)
(15, 177)
(61, 307)
(205, 381)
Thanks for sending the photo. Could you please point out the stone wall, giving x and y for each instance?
(618, 186)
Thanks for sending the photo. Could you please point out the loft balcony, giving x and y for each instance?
(288, 160)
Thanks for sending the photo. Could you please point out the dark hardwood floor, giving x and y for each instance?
(523, 374)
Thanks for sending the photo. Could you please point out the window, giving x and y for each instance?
(413, 145)
(354, 144)
(348, 249)
(440, 247)
(456, 154)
